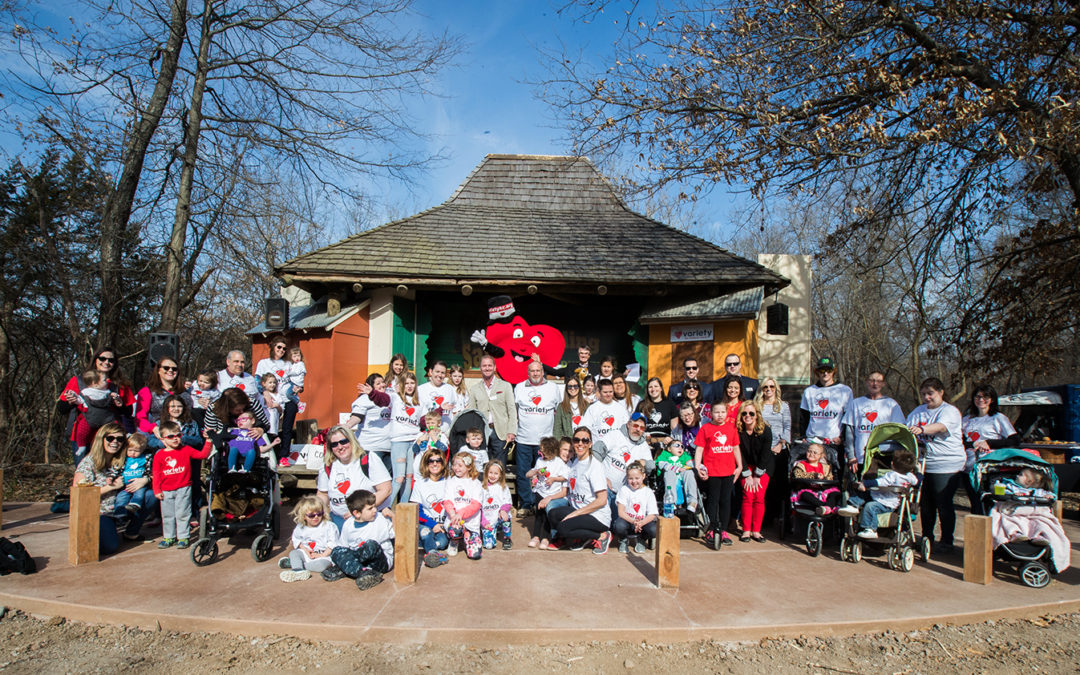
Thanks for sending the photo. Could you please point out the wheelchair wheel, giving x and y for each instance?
(813, 538)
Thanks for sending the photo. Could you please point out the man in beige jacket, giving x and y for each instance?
(494, 398)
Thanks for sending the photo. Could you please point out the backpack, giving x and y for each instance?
(14, 558)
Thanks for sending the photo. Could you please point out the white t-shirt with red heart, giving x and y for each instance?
(550, 468)
(586, 479)
(430, 493)
(826, 407)
(432, 398)
(637, 503)
(308, 540)
(535, 410)
(863, 414)
(345, 479)
(244, 382)
(620, 453)
(493, 499)
(603, 418)
(461, 492)
(404, 419)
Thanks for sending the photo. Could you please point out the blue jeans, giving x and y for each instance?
(433, 541)
(525, 459)
(337, 520)
(868, 520)
(401, 457)
(143, 498)
(234, 459)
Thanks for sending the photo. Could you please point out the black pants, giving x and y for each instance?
(578, 527)
(937, 500)
(285, 430)
(353, 561)
(541, 526)
(718, 501)
(623, 529)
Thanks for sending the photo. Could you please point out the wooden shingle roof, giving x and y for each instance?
(529, 219)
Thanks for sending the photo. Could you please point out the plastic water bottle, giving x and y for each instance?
(669, 502)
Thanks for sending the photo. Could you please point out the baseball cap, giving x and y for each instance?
(638, 417)
(825, 363)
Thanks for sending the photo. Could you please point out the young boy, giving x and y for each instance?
(474, 441)
(172, 483)
(136, 466)
(365, 549)
(675, 464)
(242, 445)
(881, 501)
(432, 437)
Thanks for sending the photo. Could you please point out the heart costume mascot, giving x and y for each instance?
(512, 341)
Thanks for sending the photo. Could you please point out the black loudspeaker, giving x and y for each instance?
(162, 346)
(277, 313)
(776, 319)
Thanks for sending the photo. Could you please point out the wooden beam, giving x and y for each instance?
(667, 553)
(978, 550)
(406, 543)
(1059, 508)
(84, 524)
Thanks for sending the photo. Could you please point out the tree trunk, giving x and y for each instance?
(117, 212)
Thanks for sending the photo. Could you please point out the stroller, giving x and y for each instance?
(467, 419)
(691, 523)
(239, 502)
(793, 512)
(896, 529)
(992, 477)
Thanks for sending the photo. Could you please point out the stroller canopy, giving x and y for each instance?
(893, 432)
(1011, 457)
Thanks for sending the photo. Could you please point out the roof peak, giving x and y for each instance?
(538, 182)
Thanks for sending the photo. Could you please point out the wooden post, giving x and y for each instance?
(667, 553)
(978, 550)
(406, 543)
(84, 525)
(1059, 508)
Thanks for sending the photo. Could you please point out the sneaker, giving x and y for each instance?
(941, 548)
(623, 547)
(133, 537)
(602, 544)
(332, 573)
(433, 559)
(289, 576)
(284, 462)
(234, 470)
(553, 546)
(848, 511)
(725, 540)
(868, 533)
(507, 544)
(284, 563)
(368, 579)
(451, 550)
(183, 543)
(639, 548)
(133, 509)
(823, 510)
(166, 543)
(577, 545)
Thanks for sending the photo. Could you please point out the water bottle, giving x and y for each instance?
(669, 502)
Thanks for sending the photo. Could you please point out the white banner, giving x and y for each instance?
(697, 333)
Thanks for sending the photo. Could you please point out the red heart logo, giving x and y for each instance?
(410, 411)
(823, 403)
(197, 393)
(610, 421)
(461, 493)
(871, 416)
(678, 334)
(637, 507)
(577, 420)
(490, 500)
(439, 400)
(240, 386)
(572, 481)
(974, 436)
(311, 545)
(343, 486)
(536, 400)
(281, 373)
(437, 507)
(626, 457)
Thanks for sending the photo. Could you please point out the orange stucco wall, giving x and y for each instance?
(729, 337)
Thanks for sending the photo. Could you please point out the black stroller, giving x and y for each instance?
(239, 503)
(795, 512)
(468, 419)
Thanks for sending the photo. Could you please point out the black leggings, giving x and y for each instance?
(541, 526)
(937, 500)
(718, 501)
(285, 430)
(578, 527)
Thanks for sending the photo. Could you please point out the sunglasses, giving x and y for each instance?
(338, 444)
(690, 367)
(171, 436)
(114, 439)
(572, 386)
(769, 386)
(731, 363)
(749, 414)
(106, 359)
(581, 441)
(316, 514)
(435, 460)
(169, 369)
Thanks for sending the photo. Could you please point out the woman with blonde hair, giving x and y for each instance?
(103, 467)
(755, 444)
(346, 470)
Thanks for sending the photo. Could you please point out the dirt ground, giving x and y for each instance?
(1048, 644)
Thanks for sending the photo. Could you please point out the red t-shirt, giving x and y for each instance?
(172, 468)
(719, 443)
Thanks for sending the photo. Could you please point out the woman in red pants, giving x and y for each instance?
(755, 443)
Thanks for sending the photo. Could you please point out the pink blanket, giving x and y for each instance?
(1035, 523)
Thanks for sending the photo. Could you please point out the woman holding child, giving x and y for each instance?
(344, 473)
(103, 467)
(106, 363)
(587, 517)
(937, 425)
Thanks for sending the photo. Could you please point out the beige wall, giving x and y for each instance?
(787, 357)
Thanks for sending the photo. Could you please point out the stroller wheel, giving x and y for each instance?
(892, 557)
(856, 552)
(1035, 574)
(204, 552)
(924, 549)
(907, 559)
(260, 548)
(845, 549)
(813, 538)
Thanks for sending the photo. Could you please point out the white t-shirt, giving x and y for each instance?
(863, 414)
(586, 479)
(461, 402)
(345, 479)
(244, 382)
(461, 492)
(891, 478)
(354, 534)
(430, 493)
(604, 418)
(375, 429)
(279, 367)
(295, 375)
(480, 455)
(987, 428)
(554, 468)
(535, 410)
(491, 502)
(318, 539)
(432, 398)
(638, 503)
(404, 420)
(826, 408)
(620, 453)
(945, 451)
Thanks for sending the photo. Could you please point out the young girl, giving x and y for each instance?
(430, 493)
(313, 538)
(588, 389)
(637, 510)
(495, 506)
(399, 366)
(295, 375)
(405, 417)
(204, 393)
(462, 507)
(457, 381)
(815, 467)
(550, 476)
(718, 461)
(175, 409)
(272, 400)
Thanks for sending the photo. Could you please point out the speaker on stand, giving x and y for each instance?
(162, 346)
(277, 314)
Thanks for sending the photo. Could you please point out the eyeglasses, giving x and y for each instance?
(170, 436)
(106, 359)
(114, 439)
(169, 369)
(749, 414)
(338, 444)
(581, 441)
(315, 514)
(731, 363)
(981, 396)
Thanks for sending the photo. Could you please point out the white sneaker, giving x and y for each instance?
(848, 510)
(868, 533)
(451, 550)
(289, 576)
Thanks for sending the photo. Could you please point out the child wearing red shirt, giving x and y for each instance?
(718, 461)
(172, 483)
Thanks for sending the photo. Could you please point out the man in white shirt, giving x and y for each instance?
(233, 375)
(607, 414)
(823, 404)
(619, 449)
(863, 414)
(438, 394)
(536, 400)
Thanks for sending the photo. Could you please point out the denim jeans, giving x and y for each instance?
(234, 459)
(143, 498)
(497, 448)
(868, 520)
(525, 459)
(401, 457)
(433, 541)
